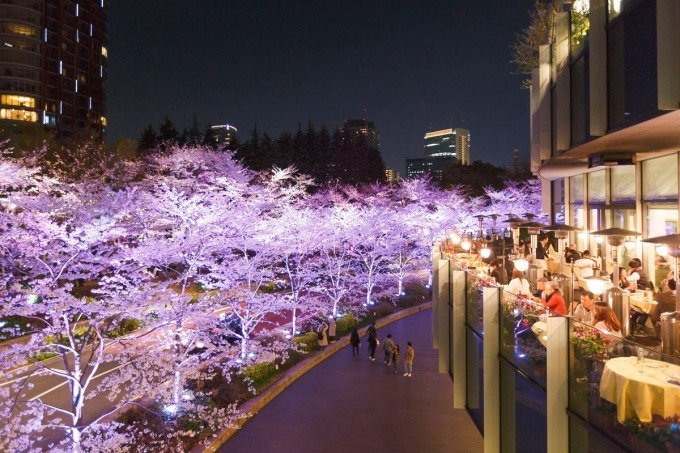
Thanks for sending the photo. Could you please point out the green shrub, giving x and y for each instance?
(308, 342)
(125, 326)
(42, 356)
(345, 324)
(260, 374)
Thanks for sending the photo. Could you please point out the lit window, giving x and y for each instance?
(103, 118)
(77, 10)
(19, 115)
(22, 101)
(105, 52)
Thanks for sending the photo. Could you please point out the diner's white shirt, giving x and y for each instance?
(583, 315)
(586, 266)
(519, 287)
(603, 327)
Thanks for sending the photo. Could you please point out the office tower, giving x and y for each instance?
(391, 175)
(221, 136)
(53, 68)
(448, 143)
(355, 128)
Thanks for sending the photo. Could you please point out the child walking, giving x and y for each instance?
(395, 357)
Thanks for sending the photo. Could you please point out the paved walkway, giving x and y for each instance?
(348, 404)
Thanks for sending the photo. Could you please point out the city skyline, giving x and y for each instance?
(407, 68)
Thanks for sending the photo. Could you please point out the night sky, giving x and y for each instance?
(408, 66)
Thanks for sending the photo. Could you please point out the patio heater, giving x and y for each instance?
(534, 230)
(514, 222)
(565, 282)
(670, 322)
(617, 298)
(484, 251)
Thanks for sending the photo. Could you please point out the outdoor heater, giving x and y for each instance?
(566, 282)
(617, 298)
(534, 230)
(670, 322)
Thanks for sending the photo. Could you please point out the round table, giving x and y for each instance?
(641, 389)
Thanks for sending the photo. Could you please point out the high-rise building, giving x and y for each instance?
(355, 128)
(442, 148)
(53, 67)
(449, 143)
(221, 136)
(391, 175)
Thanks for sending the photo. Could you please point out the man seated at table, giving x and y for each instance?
(585, 265)
(637, 277)
(498, 271)
(571, 254)
(666, 302)
(540, 290)
(583, 311)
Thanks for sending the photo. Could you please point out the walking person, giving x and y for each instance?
(355, 342)
(388, 347)
(408, 359)
(372, 345)
(331, 330)
(395, 357)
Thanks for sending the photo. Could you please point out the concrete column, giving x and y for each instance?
(558, 384)
(459, 365)
(492, 395)
(436, 254)
(443, 317)
(544, 108)
(597, 61)
(562, 83)
(668, 53)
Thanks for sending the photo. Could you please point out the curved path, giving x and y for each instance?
(348, 404)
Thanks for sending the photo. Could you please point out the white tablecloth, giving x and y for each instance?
(645, 304)
(641, 390)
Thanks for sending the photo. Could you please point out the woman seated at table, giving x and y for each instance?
(605, 320)
(553, 300)
(519, 284)
(623, 278)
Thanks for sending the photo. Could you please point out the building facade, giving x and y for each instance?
(221, 136)
(53, 68)
(356, 128)
(605, 125)
(442, 148)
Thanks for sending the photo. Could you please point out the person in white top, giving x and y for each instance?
(519, 285)
(585, 264)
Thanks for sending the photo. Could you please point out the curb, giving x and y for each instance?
(254, 405)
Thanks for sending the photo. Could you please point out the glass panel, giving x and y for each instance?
(523, 335)
(474, 306)
(580, 24)
(576, 189)
(623, 183)
(660, 222)
(632, 402)
(523, 410)
(596, 192)
(660, 178)
(475, 378)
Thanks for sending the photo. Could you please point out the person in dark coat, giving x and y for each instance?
(372, 344)
(355, 342)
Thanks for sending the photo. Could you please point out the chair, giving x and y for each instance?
(638, 318)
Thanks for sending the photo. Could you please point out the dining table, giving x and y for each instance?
(641, 388)
(644, 302)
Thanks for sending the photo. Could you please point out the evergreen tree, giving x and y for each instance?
(194, 136)
(167, 133)
(147, 141)
(323, 156)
